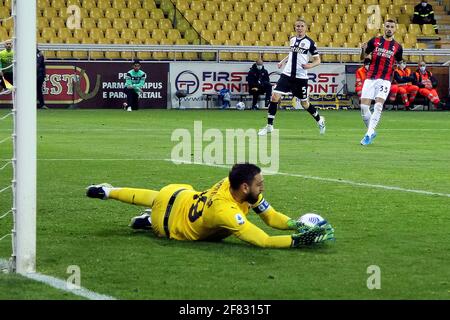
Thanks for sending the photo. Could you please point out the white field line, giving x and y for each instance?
(360, 184)
(170, 130)
(60, 284)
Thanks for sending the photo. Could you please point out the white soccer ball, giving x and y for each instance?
(240, 105)
(312, 219)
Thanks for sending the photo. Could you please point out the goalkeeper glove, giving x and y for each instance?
(313, 235)
(297, 225)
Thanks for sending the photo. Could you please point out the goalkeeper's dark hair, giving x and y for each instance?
(242, 173)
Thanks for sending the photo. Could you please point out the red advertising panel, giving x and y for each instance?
(100, 85)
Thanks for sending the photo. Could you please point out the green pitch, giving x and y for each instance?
(405, 234)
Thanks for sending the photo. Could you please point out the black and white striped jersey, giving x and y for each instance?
(301, 50)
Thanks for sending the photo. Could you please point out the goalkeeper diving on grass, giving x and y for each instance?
(179, 212)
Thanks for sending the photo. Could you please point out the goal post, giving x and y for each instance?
(24, 137)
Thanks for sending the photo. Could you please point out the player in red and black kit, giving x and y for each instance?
(384, 50)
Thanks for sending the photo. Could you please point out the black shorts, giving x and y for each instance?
(298, 87)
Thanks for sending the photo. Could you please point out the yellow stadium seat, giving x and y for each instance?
(207, 35)
(226, 6)
(344, 28)
(88, 23)
(349, 18)
(165, 24)
(141, 34)
(182, 5)
(339, 10)
(133, 4)
(42, 22)
(57, 23)
(157, 14)
(119, 4)
(191, 35)
(316, 2)
(236, 35)
(330, 28)
(371, 2)
(64, 33)
(263, 17)
(173, 34)
(119, 23)
(359, 2)
(291, 18)
(135, 24)
(216, 42)
(272, 27)
(58, 4)
(141, 14)
(222, 36)
(410, 39)
(88, 4)
(63, 54)
(353, 39)
(47, 33)
(42, 4)
(365, 37)
(281, 36)
(428, 30)
(150, 24)
(297, 8)
(318, 17)
(8, 24)
(404, 19)
(316, 27)
(240, 7)
(234, 16)
(325, 9)
(283, 8)
(266, 36)
(190, 15)
(311, 9)
(254, 8)
(334, 18)
(96, 13)
(257, 26)
(47, 12)
(96, 34)
(211, 6)
(324, 38)
(358, 28)
(353, 9)
(80, 34)
(149, 4)
(104, 23)
(213, 25)
(251, 36)
(278, 17)
(269, 7)
(111, 13)
(408, 9)
(199, 25)
(197, 6)
(249, 17)
(421, 45)
(158, 34)
(103, 4)
(111, 34)
(228, 26)
(126, 13)
(205, 16)
(414, 29)
(362, 18)
(339, 39)
(220, 16)
(242, 26)
(253, 56)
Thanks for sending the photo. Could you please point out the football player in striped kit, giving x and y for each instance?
(384, 50)
(294, 77)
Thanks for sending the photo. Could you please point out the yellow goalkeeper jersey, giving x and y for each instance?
(213, 215)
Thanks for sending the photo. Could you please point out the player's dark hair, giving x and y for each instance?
(367, 61)
(242, 173)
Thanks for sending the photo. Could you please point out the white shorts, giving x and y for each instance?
(377, 88)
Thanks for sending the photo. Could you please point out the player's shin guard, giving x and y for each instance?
(272, 111)
(375, 118)
(141, 197)
(312, 111)
(365, 114)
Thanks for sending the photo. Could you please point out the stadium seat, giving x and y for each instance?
(150, 24)
(42, 4)
(199, 25)
(234, 16)
(88, 4)
(404, 19)
(330, 28)
(141, 34)
(58, 4)
(80, 34)
(358, 2)
(41, 22)
(134, 4)
(88, 23)
(251, 36)
(158, 34)
(228, 26)
(64, 33)
(213, 25)
(254, 8)
(393, 9)
(220, 16)
(257, 26)
(157, 14)
(47, 12)
(104, 23)
(57, 23)
(297, 9)
(236, 35)
(111, 13)
(358, 28)
(197, 6)
(165, 24)
(353, 40)
(311, 9)
(320, 18)
(141, 14)
(263, 17)
(211, 6)
(278, 18)
(190, 15)
(240, 7)
(269, 7)
(191, 36)
(316, 27)
(96, 34)
(272, 27)
(409, 40)
(428, 30)
(253, 56)
(266, 37)
(344, 28)
(414, 29)
(226, 6)
(207, 35)
(338, 10)
(126, 13)
(325, 9)
(324, 38)
(281, 36)
(135, 24)
(205, 16)
(222, 36)
(47, 33)
(249, 17)
(242, 26)
(349, 19)
(173, 35)
(283, 8)
(148, 4)
(119, 24)
(111, 34)
(182, 5)
(353, 9)
(339, 39)
(96, 13)
(103, 4)
(119, 4)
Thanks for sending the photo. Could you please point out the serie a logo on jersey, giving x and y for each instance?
(240, 219)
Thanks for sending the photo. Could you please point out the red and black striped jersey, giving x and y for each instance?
(383, 54)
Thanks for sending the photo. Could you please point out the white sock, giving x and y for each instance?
(365, 114)
(375, 118)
